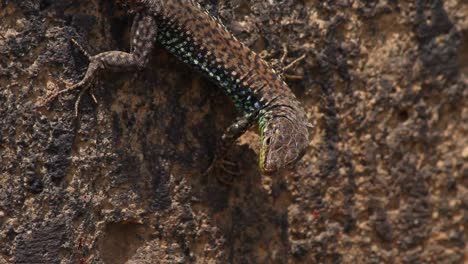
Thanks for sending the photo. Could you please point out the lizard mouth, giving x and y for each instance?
(266, 164)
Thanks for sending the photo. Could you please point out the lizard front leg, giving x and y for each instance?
(143, 37)
(232, 133)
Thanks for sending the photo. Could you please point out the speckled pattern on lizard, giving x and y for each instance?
(189, 32)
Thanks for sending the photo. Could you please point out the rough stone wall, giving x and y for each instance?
(385, 180)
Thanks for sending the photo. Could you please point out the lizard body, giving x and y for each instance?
(187, 30)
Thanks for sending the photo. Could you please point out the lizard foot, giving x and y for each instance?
(84, 84)
(69, 87)
(228, 170)
(280, 64)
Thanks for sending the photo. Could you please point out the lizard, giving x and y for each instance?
(259, 93)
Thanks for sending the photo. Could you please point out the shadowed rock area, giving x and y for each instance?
(385, 180)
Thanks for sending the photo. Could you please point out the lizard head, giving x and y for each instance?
(285, 138)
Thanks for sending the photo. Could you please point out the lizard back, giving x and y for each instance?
(198, 39)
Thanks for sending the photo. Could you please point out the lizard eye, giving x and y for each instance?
(268, 141)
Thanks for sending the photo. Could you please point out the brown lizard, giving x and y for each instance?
(189, 32)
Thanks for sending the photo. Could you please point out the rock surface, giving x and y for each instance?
(385, 180)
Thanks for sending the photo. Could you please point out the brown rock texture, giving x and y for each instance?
(385, 179)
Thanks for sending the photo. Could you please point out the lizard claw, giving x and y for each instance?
(208, 171)
(223, 165)
(78, 101)
(210, 168)
(55, 92)
(230, 174)
(285, 68)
